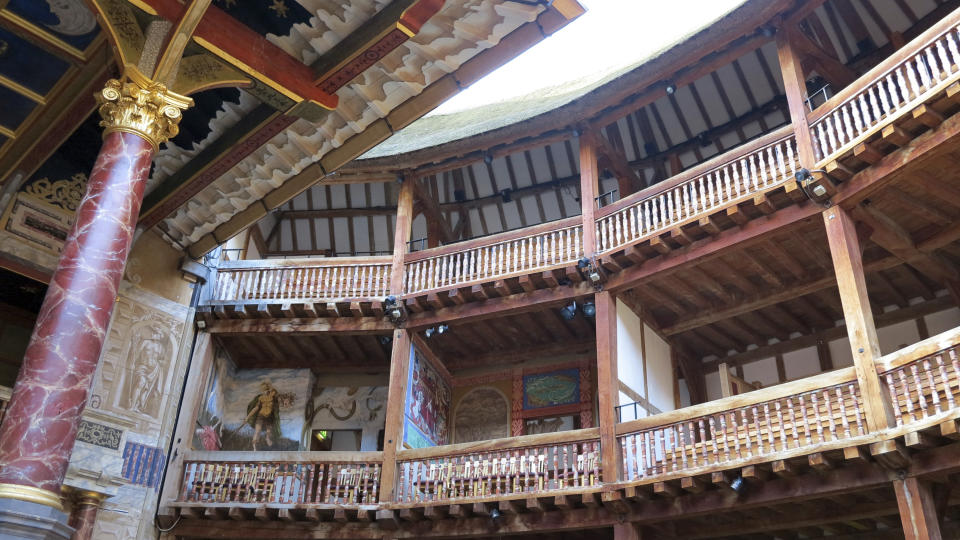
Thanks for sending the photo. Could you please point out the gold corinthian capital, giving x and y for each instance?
(135, 104)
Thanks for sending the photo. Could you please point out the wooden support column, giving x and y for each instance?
(917, 509)
(795, 87)
(393, 428)
(589, 185)
(861, 330)
(402, 234)
(608, 387)
(626, 531)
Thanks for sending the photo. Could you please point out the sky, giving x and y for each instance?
(611, 34)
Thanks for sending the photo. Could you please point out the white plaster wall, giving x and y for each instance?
(804, 362)
(659, 371)
(629, 351)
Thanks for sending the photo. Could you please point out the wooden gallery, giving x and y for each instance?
(249, 290)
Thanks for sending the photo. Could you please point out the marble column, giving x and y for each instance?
(38, 433)
(83, 515)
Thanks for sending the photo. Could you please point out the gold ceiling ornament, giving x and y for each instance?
(65, 193)
(141, 106)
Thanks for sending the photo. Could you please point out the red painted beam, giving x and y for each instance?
(247, 50)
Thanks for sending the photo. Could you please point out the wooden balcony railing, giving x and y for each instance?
(533, 464)
(924, 380)
(892, 89)
(534, 249)
(804, 416)
(342, 478)
(740, 174)
(302, 280)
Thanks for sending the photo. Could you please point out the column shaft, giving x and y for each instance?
(38, 433)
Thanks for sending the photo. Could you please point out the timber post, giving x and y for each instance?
(861, 330)
(918, 511)
(607, 383)
(393, 424)
(589, 175)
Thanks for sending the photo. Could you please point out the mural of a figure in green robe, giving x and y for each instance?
(263, 414)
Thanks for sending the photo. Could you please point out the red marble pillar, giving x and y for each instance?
(37, 435)
(83, 516)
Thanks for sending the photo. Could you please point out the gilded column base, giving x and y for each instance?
(22, 517)
(30, 494)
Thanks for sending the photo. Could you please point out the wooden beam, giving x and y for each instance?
(917, 510)
(626, 531)
(794, 84)
(308, 326)
(608, 390)
(436, 222)
(589, 176)
(393, 424)
(862, 332)
(401, 235)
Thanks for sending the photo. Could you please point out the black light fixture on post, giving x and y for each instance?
(569, 311)
(589, 309)
(589, 270)
(394, 310)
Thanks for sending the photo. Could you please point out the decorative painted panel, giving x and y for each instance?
(427, 403)
(551, 389)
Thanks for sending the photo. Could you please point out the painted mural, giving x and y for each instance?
(551, 389)
(482, 414)
(427, 405)
(347, 407)
(252, 409)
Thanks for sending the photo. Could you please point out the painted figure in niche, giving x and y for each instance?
(146, 375)
(263, 414)
(210, 435)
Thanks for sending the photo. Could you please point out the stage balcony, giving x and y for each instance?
(878, 141)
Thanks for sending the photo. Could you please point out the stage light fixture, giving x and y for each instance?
(495, 514)
(589, 309)
(569, 312)
(442, 328)
(393, 309)
(738, 485)
(588, 270)
(671, 88)
(429, 332)
(385, 340)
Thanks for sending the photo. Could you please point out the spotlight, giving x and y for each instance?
(429, 332)
(487, 158)
(393, 309)
(442, 328)
(505, 195)
(436, 330)
(385, 340)
(767, 31)
(704, 139)
(671, 88)
(588, 271)
(495, 514)
(589, 310)
(569, 312)
(738, 485)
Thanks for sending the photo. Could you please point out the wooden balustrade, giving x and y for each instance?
(923, 380)
(798, 417)
(921, 69)
(301, 280)
(738, 175)
(507, 467)
(534, 249)
(219, 477)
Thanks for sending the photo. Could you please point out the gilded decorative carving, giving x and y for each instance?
(140, 106)
(65, 193)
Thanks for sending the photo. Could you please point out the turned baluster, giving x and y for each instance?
(660, 440)
(783, 436)
(680, 439)
(746, 430)
(905, 389)
(856, 408)
(703, 441)
(814, 402)
(645, 456)
(713, 441)
(921, 399)
(635, 456)
(894, 397)
(726, 438)
(793, 422)
(736, 433)
(933, 385)
(946, 382)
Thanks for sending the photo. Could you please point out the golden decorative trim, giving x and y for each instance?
(235, 62)
(140, 106)
(22, 90)
(65, 193)
(7, 132)
(30, 494)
